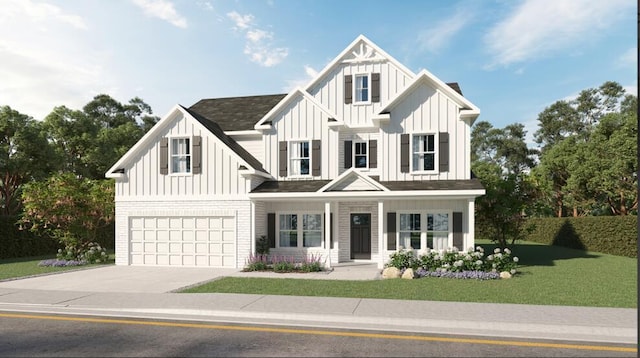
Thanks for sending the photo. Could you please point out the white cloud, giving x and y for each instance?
(436, 37)
(39, 13)
(539, 28)
(310, 73)
(163, 10)
(242, 21)
(258, 47)
(40, 66)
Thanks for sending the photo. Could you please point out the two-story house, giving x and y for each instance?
(365, 159)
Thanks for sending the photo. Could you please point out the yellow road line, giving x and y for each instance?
(324, 333)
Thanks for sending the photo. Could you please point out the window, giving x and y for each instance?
(424, 152)
(180, 155)
(312, 230)
(362, 88)
(290, 230)
(438, 231)
(300, 161)
(360, 154)
(409, 232)
(421, 230)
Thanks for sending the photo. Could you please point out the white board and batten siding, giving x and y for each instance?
(426, 111)
(301, 119)
(219, 177)
(330, 90)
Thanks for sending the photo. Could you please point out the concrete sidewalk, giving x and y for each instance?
(128, 297)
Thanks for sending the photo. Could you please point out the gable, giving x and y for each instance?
(353, 180)
(179, 122)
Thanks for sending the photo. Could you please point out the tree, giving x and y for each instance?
(68, 208)
(24, 155)
(91, 140)
(501, 160)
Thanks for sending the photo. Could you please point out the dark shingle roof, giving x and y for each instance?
(297, 186)
(214, 128)
(456, 87)
(236, 113)
(309, 186)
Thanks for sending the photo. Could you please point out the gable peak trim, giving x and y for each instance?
(352, 172)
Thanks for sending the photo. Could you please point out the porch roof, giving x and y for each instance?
(310, 186)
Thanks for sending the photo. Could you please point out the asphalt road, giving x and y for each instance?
(27, 334)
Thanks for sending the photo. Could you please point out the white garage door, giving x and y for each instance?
(183, 241)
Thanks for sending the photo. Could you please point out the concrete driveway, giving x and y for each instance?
(113, 278)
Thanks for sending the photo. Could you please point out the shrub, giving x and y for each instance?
(311, 263)
(262, 245)
(614, 235)
(91, 253)
(459, 264)
(257, 263)
(283, 264)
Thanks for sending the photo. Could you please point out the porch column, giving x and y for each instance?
(381, 234)
(327, 232)
(471, 221)
(252, 229)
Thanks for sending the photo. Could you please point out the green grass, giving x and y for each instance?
(548, 275)
(28, 266)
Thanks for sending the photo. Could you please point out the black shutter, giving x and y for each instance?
(316, 158)
(282, 162)
(348, 89)
(373, 154)
(271, 229)
(458, 237)
(444, 152)
(196, 163)
(348, 145)
(404, 153)
(164, 156)
(375, 87)
(391, 231)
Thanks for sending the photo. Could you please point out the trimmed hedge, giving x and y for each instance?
(615, 235)
(16, 243)
(22, 243)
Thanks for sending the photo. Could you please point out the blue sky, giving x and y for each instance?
(511, 58)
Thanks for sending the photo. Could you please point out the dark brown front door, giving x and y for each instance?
(361, 236)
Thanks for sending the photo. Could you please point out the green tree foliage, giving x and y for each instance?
(588, 160)
(501, 160)
(68, 208)
(25, 155)
(90, 141)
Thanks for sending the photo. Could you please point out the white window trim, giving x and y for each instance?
(290, 158)
(170, 155)
(436, 150)
(300, 230)
(353, 151)
(423, 227)
(355, 90)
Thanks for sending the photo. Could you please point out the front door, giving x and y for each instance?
(361, 236)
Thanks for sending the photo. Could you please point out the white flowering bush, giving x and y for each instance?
(467, 264)
(91, 253)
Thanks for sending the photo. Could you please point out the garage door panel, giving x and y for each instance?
(183, 241)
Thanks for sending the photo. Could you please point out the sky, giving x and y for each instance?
(512, 58)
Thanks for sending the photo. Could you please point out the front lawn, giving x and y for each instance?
(548, 275)
(28, 266)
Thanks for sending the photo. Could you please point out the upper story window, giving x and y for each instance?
(360, 154)
(299, 158)
(424, 152)
(362, 88)
(180, 155)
